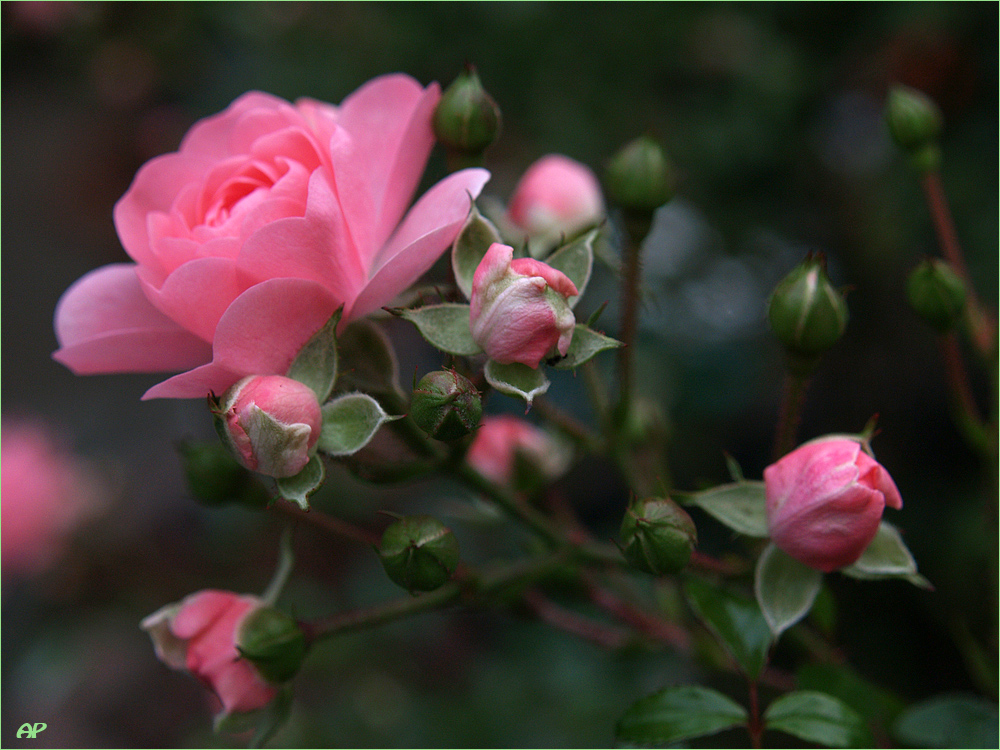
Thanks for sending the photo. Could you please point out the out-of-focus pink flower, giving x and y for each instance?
(269, 217)
(46, 492)
(519, 308)
(500, 439)
(272, 424)
(825, 501)
(557, 196)
(199, 634)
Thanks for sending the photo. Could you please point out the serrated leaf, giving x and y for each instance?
(368, 360)
(736, 620)
(517, 380)
(886, 557)
(817, 717)
(298, 488)
(576, 260)
(349, 422)
(446, 327)
(739, 505)
(956, 720)
(586, 344)
(679, 713)
(785, 588)
(316, 363)
(471, 244)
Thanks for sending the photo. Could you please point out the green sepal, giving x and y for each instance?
(739, 505)
(368, 360)
(785, 588)
(887, 556)
(517, 380)
(445, 326)
(679, 713)
(263, 723)
(349, 422)
(298, 488)
(471, 244)
(586, 344)
(576, 260)
(316, 363)
(273, 642)
(818, 718)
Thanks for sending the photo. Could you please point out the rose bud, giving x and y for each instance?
(419, 553)
(519, 309)
(556, 198)
(199, 635)
(658, 536)
(825, 500)
(513, 452)
(807, 314)
(640, 177)
(937, 294)
(914, 122)
(446, 405)
(270, 423)
(466, 120)
(273, 642)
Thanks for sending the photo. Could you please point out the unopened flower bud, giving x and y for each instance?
(519, 308)
(270, 423)
(913, 118)
(273, 642)
(807, 314)
(936, 293)
(640, 177)
(467, 120)
(446, 405)
(658, 536)
(419, 553)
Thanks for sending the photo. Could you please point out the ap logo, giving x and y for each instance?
(30, 730)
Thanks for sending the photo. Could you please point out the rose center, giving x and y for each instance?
(249, 179)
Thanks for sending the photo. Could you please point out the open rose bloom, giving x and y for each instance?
(198, 634)
(269, 217)
(825, 501)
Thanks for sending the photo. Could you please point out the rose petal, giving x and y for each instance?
(196, 294)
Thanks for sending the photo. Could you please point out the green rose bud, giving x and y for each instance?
(467, 120)
(658, 536)
(419, 553)
(446, 405)
(914, 122)
(640, 177)
(274, 643)
(937, 294)
(807, 314)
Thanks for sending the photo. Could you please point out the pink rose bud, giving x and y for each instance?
(504, 444)
(556, 196)
(199, 634)
(825, 501)
(520, 311)
(271, 423)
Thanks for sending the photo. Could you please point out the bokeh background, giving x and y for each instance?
(772, 114)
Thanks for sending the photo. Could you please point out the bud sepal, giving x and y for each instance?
(658, 536)
(418, 553)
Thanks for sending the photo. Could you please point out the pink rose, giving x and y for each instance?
(519, 308)
(269, 217)
(47, 491)
(199, 634)
(271, 423)
(557, 197)
(500, 439)
(825, 501)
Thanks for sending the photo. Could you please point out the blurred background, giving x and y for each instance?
(772, 114)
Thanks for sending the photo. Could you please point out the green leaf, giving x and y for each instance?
(739, 505)
(785, 588)
(517, 380)
(887, 557)
(297, 489)
(874, 704)
(316, 363)
(445, 326)
(575, 259)
(368, 360)
(471, 244)
(736, 620)
(263, 722)
(349, 422)
(586, 344)
(679, 713)
(817, 717)
(957, 720)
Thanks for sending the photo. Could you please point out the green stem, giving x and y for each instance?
(630, 312)
(329, 524)
(286, 563)
(790, 415)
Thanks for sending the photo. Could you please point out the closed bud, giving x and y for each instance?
(273, 642)
(658, 536)
(937, 294)
(270, 423)
(913, 118)
(807, 314)
(446, 405)
(467, 120)
(640, 177)
(419, 553)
